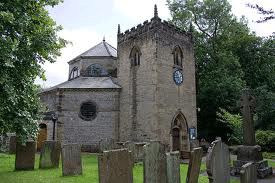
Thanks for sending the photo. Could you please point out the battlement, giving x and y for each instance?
(155, 24)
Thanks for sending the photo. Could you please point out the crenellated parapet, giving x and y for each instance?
(155, 24)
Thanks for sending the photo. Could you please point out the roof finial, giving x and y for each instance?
(155, 11)
(104, 38)
(118, 29)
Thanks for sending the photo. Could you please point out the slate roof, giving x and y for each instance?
(102, 49)
(86, 83)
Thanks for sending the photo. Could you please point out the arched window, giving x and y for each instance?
(135, 57)
(177, 56)
(87, 111)
(74, 73)
(96, 70)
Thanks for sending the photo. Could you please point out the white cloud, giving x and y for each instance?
(82, 40)
(143, 9)
(239, 8)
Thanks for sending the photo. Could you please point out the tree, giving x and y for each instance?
(229, 58)
(268, 14)
(28, 38)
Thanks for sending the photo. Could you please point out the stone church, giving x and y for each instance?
(144, 90)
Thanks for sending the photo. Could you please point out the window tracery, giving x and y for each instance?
(74, 73)
(177, 56)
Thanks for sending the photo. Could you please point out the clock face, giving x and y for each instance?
(178, 77)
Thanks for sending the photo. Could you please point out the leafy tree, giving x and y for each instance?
(28, 38)
(268, 14)
(219, 71)
(229, 58)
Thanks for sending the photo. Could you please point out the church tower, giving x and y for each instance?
(156, 70)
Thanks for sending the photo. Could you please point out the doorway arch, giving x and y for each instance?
(42, 136)
(179, 133)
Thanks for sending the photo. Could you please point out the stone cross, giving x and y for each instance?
(248, 104)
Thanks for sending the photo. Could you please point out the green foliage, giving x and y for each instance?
(229, 58)
(28, 38)
(266, 139)
(268, 14)
(235, 120)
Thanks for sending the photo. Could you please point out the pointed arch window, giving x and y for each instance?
(135, 57)
(177, 56)
(74, 73)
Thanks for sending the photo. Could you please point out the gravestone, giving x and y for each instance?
(137, 149)
(50, 154)
(173, 167)
(248, 173)
(115, 166)
(105, 145)
(194, 165)
(71, 159)
(25, 155)
(249, 152)
(12, 144)
(217, 162)
(154, 163)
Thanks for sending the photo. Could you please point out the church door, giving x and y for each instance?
(176, 139)
(179, 134)
(42, 136)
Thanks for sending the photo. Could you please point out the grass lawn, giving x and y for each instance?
(90, 172)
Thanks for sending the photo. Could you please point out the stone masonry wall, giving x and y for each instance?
(158, 98)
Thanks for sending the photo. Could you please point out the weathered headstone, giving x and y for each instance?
(105, 145)
(248, 173)
(49, 154)
(115, 166)
(25, 156)
(194, 165)
(154, 163)
(71, 159)
(173, 167)
(249, 152)
(137, 149)
(217, 162)
(12, 144)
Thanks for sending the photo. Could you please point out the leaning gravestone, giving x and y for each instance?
(248, 173)
(217, 162)
(115, 166)
(194, 166)
(49, 154)
(71, 159)
(154, 163)
(173, 167)
(25, 156)
(249, 152)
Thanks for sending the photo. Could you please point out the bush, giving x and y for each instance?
(266, 139)
(235, 121)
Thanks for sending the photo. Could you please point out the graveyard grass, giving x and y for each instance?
(90, 172)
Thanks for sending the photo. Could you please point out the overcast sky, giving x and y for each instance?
(86, 22)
